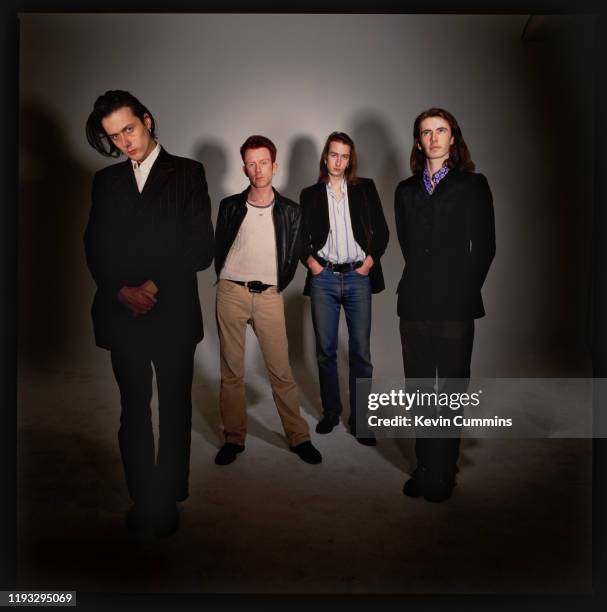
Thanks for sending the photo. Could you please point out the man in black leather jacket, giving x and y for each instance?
(257, 249)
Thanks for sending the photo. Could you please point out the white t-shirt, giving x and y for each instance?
(252, 256)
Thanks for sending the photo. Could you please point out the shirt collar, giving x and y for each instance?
(437, 177)
(342, 188)
(147, 163)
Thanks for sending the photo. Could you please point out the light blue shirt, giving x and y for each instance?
(341, 247)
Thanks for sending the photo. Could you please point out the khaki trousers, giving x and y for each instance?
(237, 306)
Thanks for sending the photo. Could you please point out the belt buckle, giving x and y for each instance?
(255, 286)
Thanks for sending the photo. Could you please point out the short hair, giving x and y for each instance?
(104, 106)
(257, 142)
(350, 173)
(459, 155)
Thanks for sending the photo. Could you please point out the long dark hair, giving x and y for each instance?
(105, 105)
(350, 173)
(459, 155)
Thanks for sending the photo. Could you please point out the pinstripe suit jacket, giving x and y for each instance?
(164, 234)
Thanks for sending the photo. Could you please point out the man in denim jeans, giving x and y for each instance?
(345, 234)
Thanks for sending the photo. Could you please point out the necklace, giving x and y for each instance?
(261, 210)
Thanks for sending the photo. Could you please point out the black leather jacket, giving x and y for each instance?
(286, 215)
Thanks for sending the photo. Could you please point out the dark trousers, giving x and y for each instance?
(443, 349)
(166, 477)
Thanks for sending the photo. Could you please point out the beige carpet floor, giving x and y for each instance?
(519, 520)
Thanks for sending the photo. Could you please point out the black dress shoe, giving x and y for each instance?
(307, 452)
(414, 487)
(227, 453)
(326, 424)
(439, 488)
(139, 519)
(167, 520)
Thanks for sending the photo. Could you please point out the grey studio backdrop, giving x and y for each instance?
(525, 104)
(525, 107)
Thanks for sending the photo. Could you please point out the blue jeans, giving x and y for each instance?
(329, 291)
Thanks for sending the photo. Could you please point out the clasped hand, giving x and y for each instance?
(139, 300)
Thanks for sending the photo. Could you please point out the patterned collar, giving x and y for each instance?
(437, 177)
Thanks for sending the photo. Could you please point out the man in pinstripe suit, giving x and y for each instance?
(149, 232)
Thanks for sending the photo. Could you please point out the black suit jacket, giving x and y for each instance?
(367, 218)
(448, 242)
(164, 234)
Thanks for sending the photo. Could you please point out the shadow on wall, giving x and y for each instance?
(302, 171)
(54, 311)
(302, 168)
(379, 159)
(377, 153)
(213, 156)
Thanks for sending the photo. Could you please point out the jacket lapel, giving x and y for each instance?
(354, 204)
(239, 214)
(125, 185)
(424, 196)
(322, 210)
(442, 205)
(160, 172)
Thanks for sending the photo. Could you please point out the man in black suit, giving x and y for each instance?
(148, 234)
(446, 230)
(345, 234)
